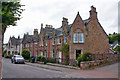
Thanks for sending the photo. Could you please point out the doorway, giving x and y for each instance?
(78, 52)
(60, 56)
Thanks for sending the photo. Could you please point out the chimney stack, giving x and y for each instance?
(19, 37)
(36, 32)
(93, 13)
(41, 25)
(64, 22)
(49, 26)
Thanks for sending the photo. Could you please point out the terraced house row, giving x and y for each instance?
(81, 35)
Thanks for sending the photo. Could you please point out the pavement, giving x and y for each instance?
(109, 71)
(35, 70)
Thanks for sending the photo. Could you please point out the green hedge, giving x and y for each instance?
(26, 54)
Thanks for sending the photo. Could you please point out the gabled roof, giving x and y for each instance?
(29, 38)
(15, 41)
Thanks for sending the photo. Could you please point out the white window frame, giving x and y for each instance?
(42, 42)
(53, 41)
(39, 43)
(45, 54)
(53, 53)
(59, 41)
(45, 42)
(81, 37)
(75, 35)
(65, 39)
(41, 53)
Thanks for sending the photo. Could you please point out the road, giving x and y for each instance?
(30, 70)
(10, 70)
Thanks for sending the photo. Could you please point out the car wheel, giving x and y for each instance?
(14, 62)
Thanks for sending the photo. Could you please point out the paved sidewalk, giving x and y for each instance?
(110, 71)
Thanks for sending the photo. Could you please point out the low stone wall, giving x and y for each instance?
(113, 58)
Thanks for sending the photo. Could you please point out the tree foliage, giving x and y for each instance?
(26, 54)
(4, 52)
(11, 12)
(113, 38)
(117, 49)
(65, 49)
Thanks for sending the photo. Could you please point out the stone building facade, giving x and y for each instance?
(81, 35)
(14, 46)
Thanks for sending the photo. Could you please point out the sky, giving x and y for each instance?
(52, 11)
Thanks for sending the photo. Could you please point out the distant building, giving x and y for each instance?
(81, 35)
(14, 46)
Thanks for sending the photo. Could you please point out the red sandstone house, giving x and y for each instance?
(81, 35)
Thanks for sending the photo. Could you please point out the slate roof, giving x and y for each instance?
(28, 38)
(15, 41)
(86, 21)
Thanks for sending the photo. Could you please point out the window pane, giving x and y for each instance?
(41, 53)
(46, 42)
(81, 37)
(65, 39)
(75, 37)
(59, 41)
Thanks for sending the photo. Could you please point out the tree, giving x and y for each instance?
(65, 49)
(26, 54)
(113, 38)
(11, 13)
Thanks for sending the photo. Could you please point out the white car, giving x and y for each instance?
(17, 59)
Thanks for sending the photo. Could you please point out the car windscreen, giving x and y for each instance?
(19, 57)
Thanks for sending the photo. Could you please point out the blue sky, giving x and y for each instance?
(52, 11)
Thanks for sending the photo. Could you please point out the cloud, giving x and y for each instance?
(52, 11)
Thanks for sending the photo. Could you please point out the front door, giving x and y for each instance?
(60, 56)
(78, 52)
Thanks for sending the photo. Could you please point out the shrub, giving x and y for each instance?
(52, 60)
(43, 59)
(11, 55)
(66, 63)
(4, 52)
(6, 56)
(18, 53)
(38, 58)
(84, 57)
(26, 54)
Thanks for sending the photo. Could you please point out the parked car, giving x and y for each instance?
(17, 59)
